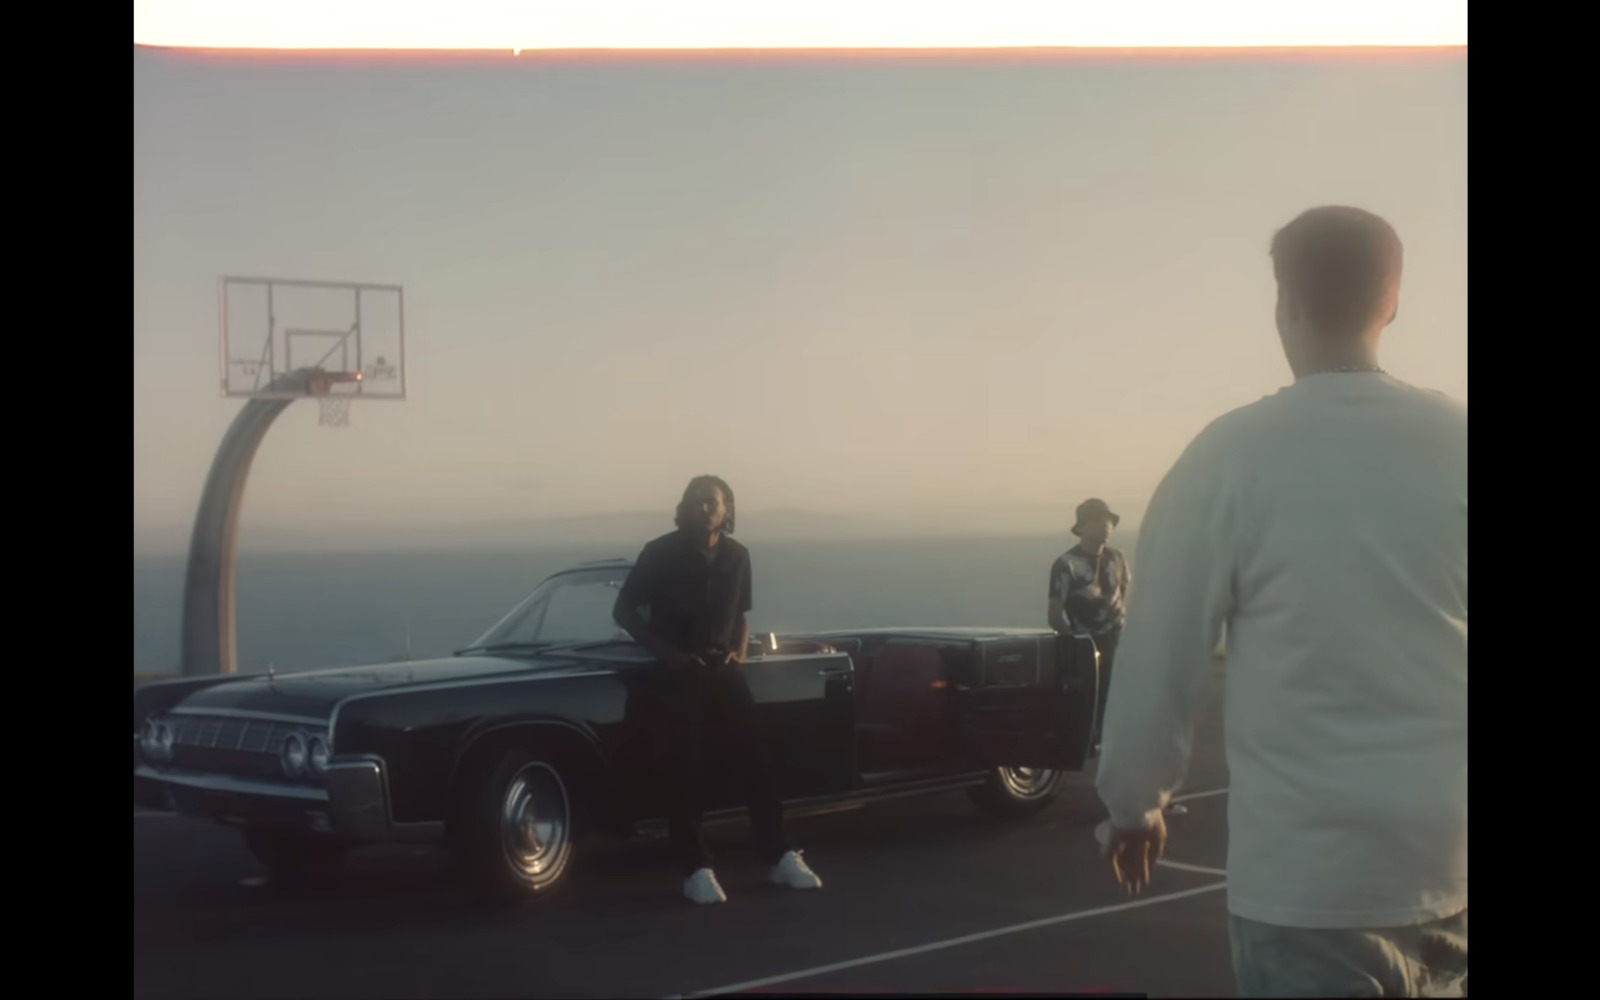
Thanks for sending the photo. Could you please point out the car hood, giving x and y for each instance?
(314, 693)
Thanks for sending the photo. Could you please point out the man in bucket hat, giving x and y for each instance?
(1089, 590)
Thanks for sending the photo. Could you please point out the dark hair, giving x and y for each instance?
(683, 513)
(1339, 262)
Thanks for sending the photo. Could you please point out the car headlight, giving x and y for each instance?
(294, 755)
(156, 740)
(317, 753)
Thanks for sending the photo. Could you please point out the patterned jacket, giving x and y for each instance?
(1093, 606)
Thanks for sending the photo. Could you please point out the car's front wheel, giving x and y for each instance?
(514, 827)
(1017, 791)
(294, 858)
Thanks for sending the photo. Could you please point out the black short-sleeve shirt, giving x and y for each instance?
(694, 598)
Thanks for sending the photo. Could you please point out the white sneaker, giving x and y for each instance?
(792, 872)
(702, 887)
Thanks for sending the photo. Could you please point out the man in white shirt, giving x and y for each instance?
(1325, 527)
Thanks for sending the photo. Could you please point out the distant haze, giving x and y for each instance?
(622, 533)
(300, 611)
(880, 297)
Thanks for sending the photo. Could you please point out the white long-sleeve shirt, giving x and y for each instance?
(1326, 527)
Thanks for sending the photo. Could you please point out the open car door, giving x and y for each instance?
(1031, 702)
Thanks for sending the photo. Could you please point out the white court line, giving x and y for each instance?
(1197, 869)
(1199, 795)
(923, 949)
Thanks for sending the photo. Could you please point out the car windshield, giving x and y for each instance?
(568, 608)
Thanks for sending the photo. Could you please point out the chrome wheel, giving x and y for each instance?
(535, 824)
(1028, 782)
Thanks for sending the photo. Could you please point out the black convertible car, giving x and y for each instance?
(544, 730)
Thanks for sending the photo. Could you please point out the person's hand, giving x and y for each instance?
(1134, 853)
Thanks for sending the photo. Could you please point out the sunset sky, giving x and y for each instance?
(943, 291)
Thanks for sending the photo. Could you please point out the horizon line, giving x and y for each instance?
(310, 547)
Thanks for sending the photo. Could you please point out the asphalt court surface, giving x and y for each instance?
(920, 895)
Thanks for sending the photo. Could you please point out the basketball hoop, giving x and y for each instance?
(335, 408)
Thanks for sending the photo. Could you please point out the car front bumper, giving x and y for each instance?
(352, 804)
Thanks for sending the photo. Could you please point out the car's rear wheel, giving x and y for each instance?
(295, 858)
(1017, 791)
(513, 830)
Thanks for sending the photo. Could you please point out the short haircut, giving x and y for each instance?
(1339, 263)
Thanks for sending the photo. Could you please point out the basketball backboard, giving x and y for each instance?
(277, 335)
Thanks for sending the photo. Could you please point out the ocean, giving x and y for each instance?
(304, 611)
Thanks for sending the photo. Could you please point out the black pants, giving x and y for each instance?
(695, 702)
(1107, 645)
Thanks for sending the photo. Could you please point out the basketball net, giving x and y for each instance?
(335, 410)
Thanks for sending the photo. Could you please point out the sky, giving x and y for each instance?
(934, 294)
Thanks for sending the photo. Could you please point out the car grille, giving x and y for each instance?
(233, 746)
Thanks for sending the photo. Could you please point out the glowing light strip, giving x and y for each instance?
(534, 25)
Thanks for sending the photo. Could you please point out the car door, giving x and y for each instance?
(805, 706)
(1030, 702)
